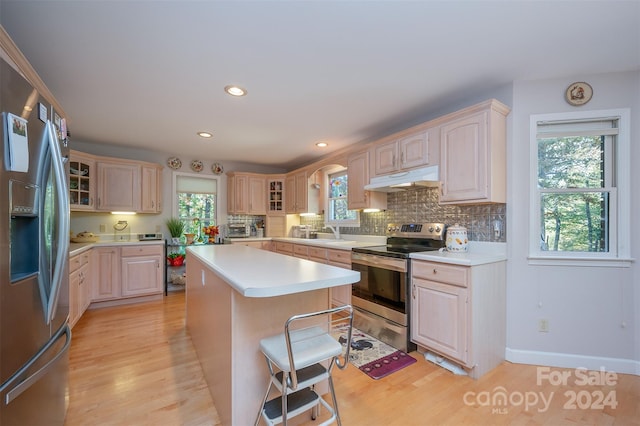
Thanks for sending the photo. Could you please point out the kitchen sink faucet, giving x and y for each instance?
(336, 230)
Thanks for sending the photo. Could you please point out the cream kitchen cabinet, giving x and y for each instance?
(264, 245)
(275, 196)
(142, 269)
(79, 285)
(459, 312)
(342, 258)
(299, 198)
(151, 189)
(105, 263)
(296, 192)
(127, 273)
(99, 183)
(301, 251)
(284, 248)
(82, 181)
(246, 194)
(119, 186)
(407, 152)
(358, 172)
(275, 226)
(473, 155)
(318, 254)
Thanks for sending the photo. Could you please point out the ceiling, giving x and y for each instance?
(150, 74)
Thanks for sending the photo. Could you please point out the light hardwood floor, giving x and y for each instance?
(135, 365)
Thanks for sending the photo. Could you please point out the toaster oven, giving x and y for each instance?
(238, 230)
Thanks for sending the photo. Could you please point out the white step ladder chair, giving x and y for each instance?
(301, 357)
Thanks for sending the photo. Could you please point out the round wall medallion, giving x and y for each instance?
(174, 163)
(196, 166)
(578, 93)
(216, 168)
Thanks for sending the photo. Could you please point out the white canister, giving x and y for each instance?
(457, 240)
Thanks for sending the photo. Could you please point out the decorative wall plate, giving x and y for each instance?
(174, 163)
(578, 93)
(196, 166)
(216, 168)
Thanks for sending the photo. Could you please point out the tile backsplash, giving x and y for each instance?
(484, 222)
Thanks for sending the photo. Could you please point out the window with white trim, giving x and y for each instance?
(337, 212)
(580, 191)
(195, 201)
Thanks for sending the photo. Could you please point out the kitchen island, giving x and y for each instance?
(235, 296)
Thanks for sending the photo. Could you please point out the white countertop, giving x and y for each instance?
(347, 242)
(343, 244)
(77, 248)
(258, 273)
(479, 253)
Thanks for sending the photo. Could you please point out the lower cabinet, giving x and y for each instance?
(120, 274)
(142, 270)
(342, 258)
(106, 273)
(459, 312)
(79, 286)
(264, 245)
(284, 248)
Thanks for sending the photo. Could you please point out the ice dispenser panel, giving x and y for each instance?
(24, 229)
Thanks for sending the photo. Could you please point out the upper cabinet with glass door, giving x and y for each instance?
(81, 181)
(95, 182)
(275, 195)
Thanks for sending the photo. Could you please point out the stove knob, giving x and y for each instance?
(431, 229)
(438, 229)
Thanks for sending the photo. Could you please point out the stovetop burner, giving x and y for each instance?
(404, 239)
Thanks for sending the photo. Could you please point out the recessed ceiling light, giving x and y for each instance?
(205, 135)
(235, 90)
(322, 144)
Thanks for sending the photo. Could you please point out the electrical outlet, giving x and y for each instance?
(543, 325)
(158, 228)
(103, 228)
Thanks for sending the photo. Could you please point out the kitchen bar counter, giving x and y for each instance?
(278, 275)
(237, 295)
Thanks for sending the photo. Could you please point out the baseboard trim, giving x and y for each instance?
(562, 360)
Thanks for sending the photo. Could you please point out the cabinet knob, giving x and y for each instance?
(435, 271)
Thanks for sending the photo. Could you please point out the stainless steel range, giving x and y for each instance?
(380, 297)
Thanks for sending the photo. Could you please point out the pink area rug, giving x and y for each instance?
(374, 358)
(387, 364)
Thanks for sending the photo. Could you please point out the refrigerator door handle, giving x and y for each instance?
(29, 381)
(60, 180)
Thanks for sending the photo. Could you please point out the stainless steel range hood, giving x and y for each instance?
(426, 176)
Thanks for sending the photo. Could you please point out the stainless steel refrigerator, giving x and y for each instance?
(34, 243)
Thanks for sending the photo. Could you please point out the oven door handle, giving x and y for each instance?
(392, 264)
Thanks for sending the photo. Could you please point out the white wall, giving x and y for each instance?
(148, 223)
(593, 312)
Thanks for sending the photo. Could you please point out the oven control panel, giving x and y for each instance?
(435, 231)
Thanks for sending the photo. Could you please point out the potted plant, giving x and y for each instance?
(175, 259)
(176, 228)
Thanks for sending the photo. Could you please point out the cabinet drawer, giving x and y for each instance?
(340, 256)
(448, 274)
(142, 251)
(318, 254)
(282, 247)
(77, 261)
(299, 250)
